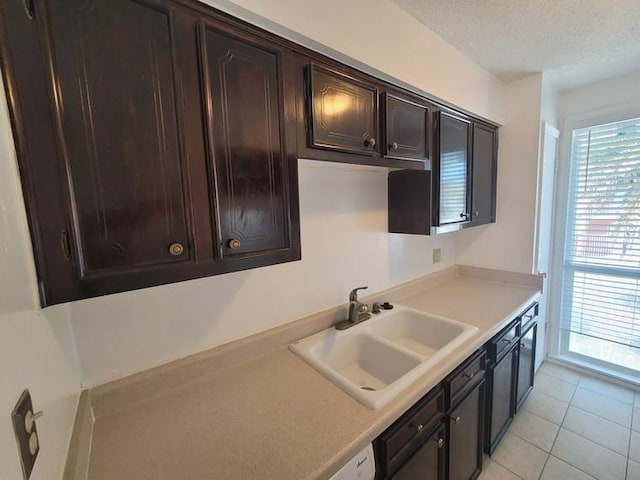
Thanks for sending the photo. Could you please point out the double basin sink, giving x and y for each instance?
(375, 360)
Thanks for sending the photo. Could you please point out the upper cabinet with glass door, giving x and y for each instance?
(464, 172)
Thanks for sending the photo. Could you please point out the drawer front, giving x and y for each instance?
(528, 317)
(401, 439)
(471, 372)
(501, 343)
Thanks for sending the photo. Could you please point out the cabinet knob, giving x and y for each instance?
(370, 142)
(456, 420)
(469, 375)
(176, 249)
(522, 344)
(419, 427)
(476, 213)
(463, 215)
(439, 442)
(394, 146)
(234, 244)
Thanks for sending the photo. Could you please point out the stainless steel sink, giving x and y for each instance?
(376, 359)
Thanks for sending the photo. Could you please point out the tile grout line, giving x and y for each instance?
(575, 389)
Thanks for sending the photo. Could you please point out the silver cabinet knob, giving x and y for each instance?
(370, 142)
(393, 146)
(420, 428)
(234, 244)
(439, 442)
(476, 213)
(176, 249)
(469, 375)
(456, 420)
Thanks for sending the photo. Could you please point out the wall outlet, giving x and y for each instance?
(437, 255)
(24, 426)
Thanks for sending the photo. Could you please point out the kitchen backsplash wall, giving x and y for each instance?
(345, 244)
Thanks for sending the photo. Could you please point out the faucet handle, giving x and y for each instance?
(353, 295)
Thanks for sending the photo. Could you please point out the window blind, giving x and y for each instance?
(601, 288)
(453, 186)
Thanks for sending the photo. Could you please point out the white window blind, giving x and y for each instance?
(601, 281)
(453, 186)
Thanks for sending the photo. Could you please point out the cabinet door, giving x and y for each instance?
(453, 169)
(502, 398)
(247, 140)
(483, 183)
(121, 133)
(406, 129)
(526, 362)
(344, 113)
(465, 436)
(427, 463)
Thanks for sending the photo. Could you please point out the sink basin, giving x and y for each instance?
(376, 359)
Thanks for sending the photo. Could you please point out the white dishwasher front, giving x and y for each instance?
(361, 467)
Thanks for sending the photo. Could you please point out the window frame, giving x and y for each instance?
(557, 343)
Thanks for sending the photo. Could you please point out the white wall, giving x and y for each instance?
(345, 244)
(614, 95)
(508, 243)
(36, 347)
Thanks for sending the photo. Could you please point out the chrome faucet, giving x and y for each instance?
(358, 311)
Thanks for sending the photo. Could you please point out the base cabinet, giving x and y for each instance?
(426, 444)
(465, 436)
(526, 364)
(501, 407)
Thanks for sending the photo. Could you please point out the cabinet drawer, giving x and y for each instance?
(467, 376)
(500, 344)
(528, 317)
(401, 439)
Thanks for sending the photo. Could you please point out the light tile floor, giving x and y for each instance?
(572, 427)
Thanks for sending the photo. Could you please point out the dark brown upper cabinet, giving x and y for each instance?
(407, 128)
(153, 143)
(247, 125)
(343, 113)
(451, 170)
(122, 140)
(461, 190)
(484, 174)
(346, 116)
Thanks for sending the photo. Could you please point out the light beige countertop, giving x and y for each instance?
(272, 416)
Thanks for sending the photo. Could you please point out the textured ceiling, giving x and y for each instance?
(575, 41)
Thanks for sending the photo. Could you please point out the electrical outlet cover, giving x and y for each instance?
(437, 255)
(18, 416)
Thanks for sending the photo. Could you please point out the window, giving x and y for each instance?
(600, 307)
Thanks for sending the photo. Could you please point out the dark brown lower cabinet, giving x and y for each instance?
(465, 418)
(465, 435)
(427, 463)
(501, 378)
(526, 364)
(412, 447)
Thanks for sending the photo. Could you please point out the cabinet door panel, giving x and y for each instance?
(453, 166)
(465, 436)
(406, 129)
(502, 397)
(483, 190)
(526, 362)
(246, 134)
(344, 113)
(427, 462)
(120, 117)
